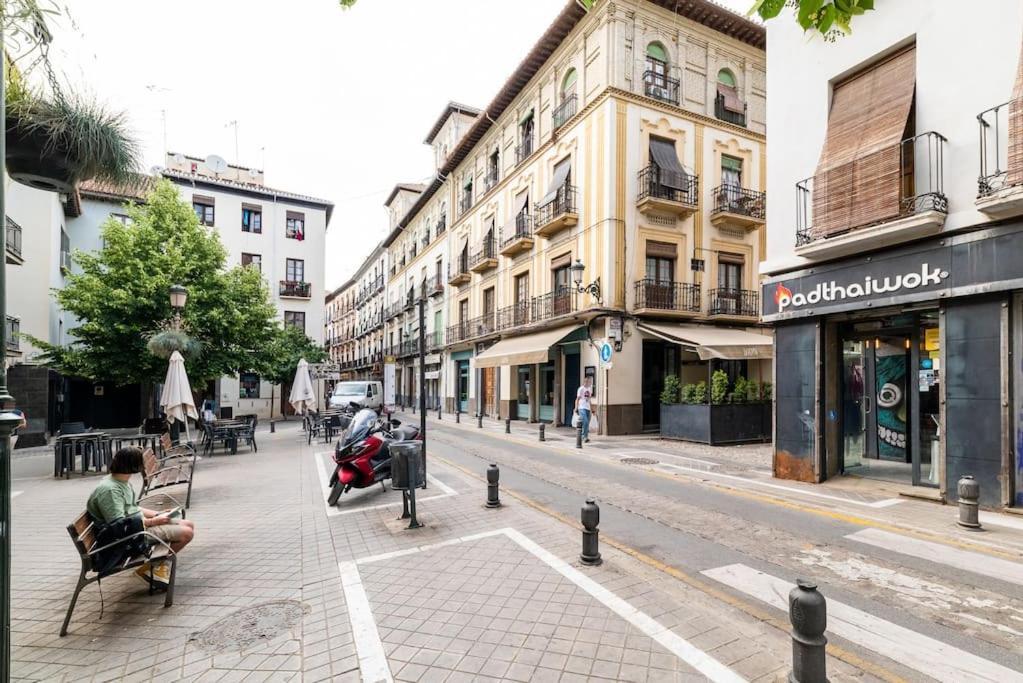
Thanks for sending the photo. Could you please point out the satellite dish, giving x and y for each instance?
(179, 159)
(253, 173)
(216, 164)
(156, 170)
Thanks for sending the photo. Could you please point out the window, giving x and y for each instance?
(121, 218)
(488, 301)
(731, 171)
(568, 84)
(493, 168)
(660, 269)
(467, 194)
(295, 226)
(726, 78)
(252, 219)
(525, 137)
(248, 385)
(252, 260)
(657, 64)
(203, 207)
(295, 319)
(463, 312)
(295, 270)
(730, 268)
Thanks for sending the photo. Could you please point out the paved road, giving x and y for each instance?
(918, 609)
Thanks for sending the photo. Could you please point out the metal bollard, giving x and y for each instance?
(507, 425)
(590, 517)
(493, 495)
(808, 613)
(969, 496)
(579, 436)
(543, 437)
(438, 413)
(479, 420)
(273, 427)
(458, 418)
(413, 407)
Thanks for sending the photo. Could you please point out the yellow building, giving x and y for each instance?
(612, 190)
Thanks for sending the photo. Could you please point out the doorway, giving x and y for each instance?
(462, 394)
(572, 372)
(487, 402)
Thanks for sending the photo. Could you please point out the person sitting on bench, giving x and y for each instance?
(114, 498)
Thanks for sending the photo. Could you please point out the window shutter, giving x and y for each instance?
(661, 249)
(296, 215)
(203, 199)
(252, 207)
(726, 257)
(731, 163)
(1014, 161)
(562, 261)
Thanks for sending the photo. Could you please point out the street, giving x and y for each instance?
(700, 548)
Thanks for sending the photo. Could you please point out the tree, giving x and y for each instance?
(830, 18)
(289, 346)
(120, 299)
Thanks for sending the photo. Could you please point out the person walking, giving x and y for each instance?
(583, 406)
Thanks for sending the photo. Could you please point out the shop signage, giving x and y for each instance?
(833, 291)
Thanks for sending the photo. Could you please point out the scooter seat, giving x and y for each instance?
(405, 433)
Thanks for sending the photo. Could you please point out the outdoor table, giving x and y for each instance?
(232, 427)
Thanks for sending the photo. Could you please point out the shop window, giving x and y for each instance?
(248, 385)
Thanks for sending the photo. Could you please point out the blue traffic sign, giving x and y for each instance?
(605, 352)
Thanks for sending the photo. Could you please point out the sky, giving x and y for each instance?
(329, 103)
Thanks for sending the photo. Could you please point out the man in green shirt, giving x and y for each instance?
(114, 498)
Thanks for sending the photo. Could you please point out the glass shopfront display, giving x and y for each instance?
(522, 391)
(546, 402)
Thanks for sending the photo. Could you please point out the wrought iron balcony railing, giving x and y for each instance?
(524, 149)
(13, 238)
(294, 288)
(442, 225)
(660, 87)
(486, 252)
(465, 203)
(492, 177)
(474, 328)
(537, 309)
(727, 115)
(565, 110)
(671, 186)
(1001, 147)
(523, 229)
(564, 202)
(660, 295)
(737, 302)
(739, 200)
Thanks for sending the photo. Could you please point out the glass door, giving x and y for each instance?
(855, 404)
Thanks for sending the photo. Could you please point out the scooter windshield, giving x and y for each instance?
(360, 426)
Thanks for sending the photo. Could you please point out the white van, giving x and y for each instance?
(366, 394)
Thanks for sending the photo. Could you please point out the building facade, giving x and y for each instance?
(339, 323)
(894, 276)
(362, 337)
(630, 144)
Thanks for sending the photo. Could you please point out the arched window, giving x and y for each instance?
(726, 78)
(657, 62)
(568, 84)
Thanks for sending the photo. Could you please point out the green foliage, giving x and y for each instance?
(753, 391)
(288, 347)
(694, 394)
(687, 394)
(740, 390)
(672, 387)
(121, 300)
(829, 18)
(164, 344)
(718, 387)
(765, 391)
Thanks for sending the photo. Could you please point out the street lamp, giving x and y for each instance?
(178, 297)
(593, 288)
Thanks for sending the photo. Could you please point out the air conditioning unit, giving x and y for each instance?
(657, 91)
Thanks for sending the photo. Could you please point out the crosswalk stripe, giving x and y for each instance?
(911, 649)
(978, 563)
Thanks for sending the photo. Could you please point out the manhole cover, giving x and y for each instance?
(639, 461)
(250, 626)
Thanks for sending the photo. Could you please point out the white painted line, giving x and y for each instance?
(996, 519)
(333, 511)
(888, 502)
(978, 563)
(370, 650)
(909, 648)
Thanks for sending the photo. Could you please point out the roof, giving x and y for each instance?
(250, 189)
(701, 11)
(450, 109)
(408, 187)
(337, 292)
(105, 190)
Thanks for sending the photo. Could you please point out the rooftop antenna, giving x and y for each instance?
(234, 124)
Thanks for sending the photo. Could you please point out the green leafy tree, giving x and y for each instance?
(829, 18)
(121, 301)
(280, 362)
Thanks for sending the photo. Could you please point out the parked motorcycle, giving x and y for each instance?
(362, 454)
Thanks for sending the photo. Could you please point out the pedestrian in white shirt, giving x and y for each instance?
(583, 406)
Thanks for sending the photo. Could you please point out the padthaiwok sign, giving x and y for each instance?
(970, 263)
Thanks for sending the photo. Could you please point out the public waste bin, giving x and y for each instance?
(407, 465)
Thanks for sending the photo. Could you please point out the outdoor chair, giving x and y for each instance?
(248, 435)
(213, 436)
(158, 474)
(82, 534)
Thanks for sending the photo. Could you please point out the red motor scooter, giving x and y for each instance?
(362, 455)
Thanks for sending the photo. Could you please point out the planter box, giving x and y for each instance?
(717, 424)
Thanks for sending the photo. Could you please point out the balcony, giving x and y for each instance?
(13, 334)
(484, 259)
(735, 303)
(537, 309)
(413, 250)
(520, 240)
(565, 111)
(426, 240)
(393, 310)
(727, 115)
(461, 275)
(660, 87)
(739, 207)
(557, 214)
(1000, 185)
(667, 298)
(14, 243)
(434, 286)
(464, 204)
(888, 197)
(410, 300)
(294, 289)
(474, 328)
(670, 192)
(524, 149)
(491, 179)
(442, 225)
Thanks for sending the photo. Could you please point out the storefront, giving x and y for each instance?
(898, 365)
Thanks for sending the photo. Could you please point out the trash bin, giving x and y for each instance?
(407, 465)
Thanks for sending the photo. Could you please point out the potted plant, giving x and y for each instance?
(736, 412)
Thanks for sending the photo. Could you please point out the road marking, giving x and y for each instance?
(333, 511)
(681, 648)
(909, 648)
(370, 650)
(993, 567)
(633, 452)
(995, 519)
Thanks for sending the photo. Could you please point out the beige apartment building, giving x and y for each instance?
(613, 189)
(339, 318)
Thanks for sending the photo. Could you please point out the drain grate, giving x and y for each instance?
(250, 626)
(639, 461)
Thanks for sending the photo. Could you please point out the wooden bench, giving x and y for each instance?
(171, 470)
(83, 536)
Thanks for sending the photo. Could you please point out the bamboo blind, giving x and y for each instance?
(859, 173)
(1014, 161)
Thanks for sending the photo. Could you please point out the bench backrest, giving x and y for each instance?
(82, 532)
(150, 465)
(165, 441)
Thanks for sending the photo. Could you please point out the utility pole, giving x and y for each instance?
(422, 373)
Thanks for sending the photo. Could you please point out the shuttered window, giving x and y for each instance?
(1014, 161)
(859, 175)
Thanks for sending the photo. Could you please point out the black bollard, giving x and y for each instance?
(968, 489)
(493, 495)
(808, 614)
(438, 413)
(507, 425)
(273, 427)
(458, 418)
(579, 436)
(543, 437)
(591, 543)
(479, 420)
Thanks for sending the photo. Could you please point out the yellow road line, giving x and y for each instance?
(751, 609)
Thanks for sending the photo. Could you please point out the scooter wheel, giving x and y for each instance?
(333, 479)
(335, 493)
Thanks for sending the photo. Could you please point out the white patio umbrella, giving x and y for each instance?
(176, 399)
(303, 396)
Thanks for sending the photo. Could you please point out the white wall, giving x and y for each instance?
(966, 62)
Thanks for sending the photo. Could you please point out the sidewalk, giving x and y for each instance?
(277, 586)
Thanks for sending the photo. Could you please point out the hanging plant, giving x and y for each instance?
(163, 344)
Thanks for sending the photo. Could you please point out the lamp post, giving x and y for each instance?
(178, 298)
(593, 289)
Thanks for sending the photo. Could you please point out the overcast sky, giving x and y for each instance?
(329, 103)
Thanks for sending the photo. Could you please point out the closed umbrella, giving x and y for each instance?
(303, 397)
(176, 399)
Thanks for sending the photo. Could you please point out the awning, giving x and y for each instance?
(517, 205)
(665, 158)
(731, 98)
(561, 171)
(524, 350)
(714, 342)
